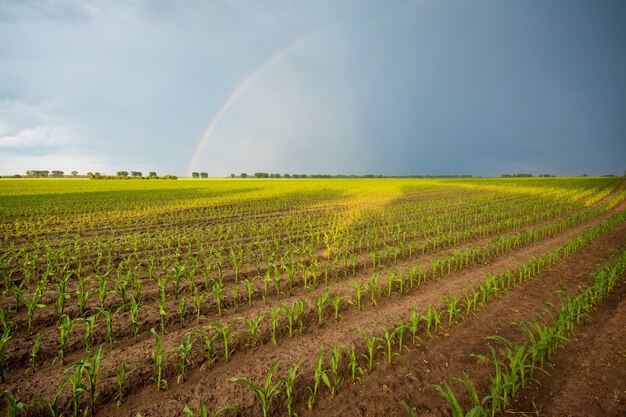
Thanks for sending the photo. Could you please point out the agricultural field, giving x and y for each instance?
(345, 297)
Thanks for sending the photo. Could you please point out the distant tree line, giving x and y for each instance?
(124, 175)
(35, 173)
(266, 175)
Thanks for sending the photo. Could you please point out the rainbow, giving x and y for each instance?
(245, 84)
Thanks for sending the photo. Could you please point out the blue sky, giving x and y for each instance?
(325, 86)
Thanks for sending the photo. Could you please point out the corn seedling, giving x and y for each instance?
(89, 325)
(291, 315)
(159, 357)
(320, 303)
(108, 320)
(34, 351)
(120, 376)
(92, 369)
(289, 381)
(4, 340)
(253, 327)
(224, 332)
(249, 290)
(209, 346)
(14, 407)
(388, 338)
(182, 305)
(356, 372)
(77, 386)
(184, 349)
(65, 329)
(336, 303)
(374, 289)
(318, 375)
(336, 381)
(371, 346)
(32, 303)
(266, 392)
(452, 308)
(358, 294)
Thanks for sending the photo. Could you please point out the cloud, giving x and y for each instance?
(39, 137)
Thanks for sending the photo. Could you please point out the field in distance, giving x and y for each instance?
(342, 297)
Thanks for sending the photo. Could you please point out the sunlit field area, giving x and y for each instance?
(336, 297)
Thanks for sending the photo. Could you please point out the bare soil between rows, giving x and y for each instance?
(597, 349)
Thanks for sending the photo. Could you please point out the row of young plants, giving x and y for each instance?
(65, 318)
(515, 365)
(390, 341)
(348, 363)
(188, 270)
(98, 257)
(401, 281)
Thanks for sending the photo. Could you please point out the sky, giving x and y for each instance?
(392, 87)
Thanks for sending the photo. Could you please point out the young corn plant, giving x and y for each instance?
(374, 289)
(291, 314)
(224, 332)
(92, 369)
(414, 322)
(253, 327)
(266, 392)
(391, 277)
(388, 337)
(77, 386)
(120, 376)
(32, 303)
(267, 281)
(289, 381)
(198, 299)
(477, 408)
(89, 326)
(235, 296)
(50, 406)
(452, 308)
(217, 289)
(318, 376)
(108, 320)
(249, 291)
(159, 356)
(275, 322)
(4, 340)
(14, 407)
(320, 303)
(184, 349)
(336, 303)
(358, 294)
(400, 330)
(356, 372)
(135, 306)
(34, 352)
(371, 346)
(182, 305)
(433, 319)
(335, 383)
(65, 329)
(209, 346)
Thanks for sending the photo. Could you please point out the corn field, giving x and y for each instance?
(298, 297)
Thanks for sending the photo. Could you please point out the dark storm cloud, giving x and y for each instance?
(400, 87)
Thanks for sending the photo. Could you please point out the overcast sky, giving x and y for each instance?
(319, 86)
